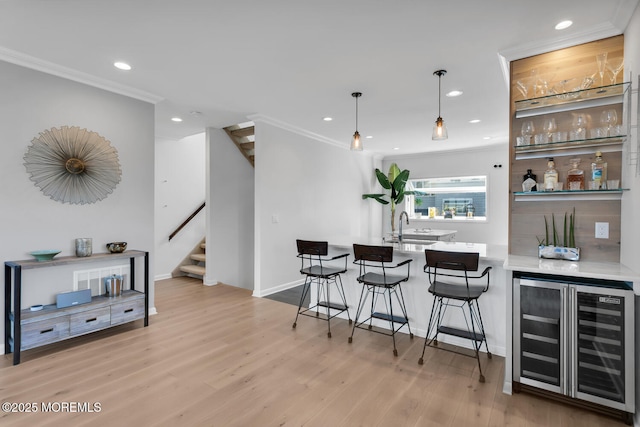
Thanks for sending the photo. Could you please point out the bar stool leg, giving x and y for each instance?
(358, 312)
(305, 290)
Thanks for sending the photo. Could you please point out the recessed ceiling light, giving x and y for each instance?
(474, 121)
(564, 24)
(486, 137)
(122, 66)
(396, 148)
(369, 136)
(327, 119)
(454, 93)
(176, 119)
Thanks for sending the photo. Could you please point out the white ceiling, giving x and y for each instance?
(297, 61)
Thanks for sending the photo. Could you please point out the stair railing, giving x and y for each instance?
(186, 221)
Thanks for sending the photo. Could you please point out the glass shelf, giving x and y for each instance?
(575, 147)
(585, 98)
(532, 196)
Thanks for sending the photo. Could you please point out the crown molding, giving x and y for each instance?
(261, 118)
(47, 67)
(538, 47)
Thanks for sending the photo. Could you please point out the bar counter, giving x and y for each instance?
(417, 298)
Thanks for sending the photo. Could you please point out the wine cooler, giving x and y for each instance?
(575, 337)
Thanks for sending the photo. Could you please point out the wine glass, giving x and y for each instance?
(601, 59)
(527, 130)
(522, 88)
(579, 126)
(549, 127)
(615, 66)
(609, 118)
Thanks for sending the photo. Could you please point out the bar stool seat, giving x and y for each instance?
(317, 267)
(378, 279)
(458, 292)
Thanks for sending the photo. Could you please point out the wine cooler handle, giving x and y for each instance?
(563, 341)
(573, 339)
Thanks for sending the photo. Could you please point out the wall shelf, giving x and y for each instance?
(534, 196)
(570, 148)
(570, 101)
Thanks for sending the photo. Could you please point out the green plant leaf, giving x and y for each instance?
(400, 181)
(378, 197)
(383, 180)
(546, 231)
(394, 171)
(555, 232)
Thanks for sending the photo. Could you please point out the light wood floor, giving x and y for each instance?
(216, 356)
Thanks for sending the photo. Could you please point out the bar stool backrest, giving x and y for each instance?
(373, 253)
(308, 247)
(460, 261)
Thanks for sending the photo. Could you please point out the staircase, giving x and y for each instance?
(243, 136)
(193, 265)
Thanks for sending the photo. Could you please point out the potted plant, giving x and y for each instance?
(417, 202)
(395, 182)
(552, 247)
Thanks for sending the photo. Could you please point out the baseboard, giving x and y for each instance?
(162, 277)
(277, 289)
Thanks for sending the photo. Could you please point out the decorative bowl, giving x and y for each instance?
(45, 255)
(116, 247)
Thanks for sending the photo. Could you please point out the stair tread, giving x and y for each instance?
(203, 245)
(199, 257)
(193, 269)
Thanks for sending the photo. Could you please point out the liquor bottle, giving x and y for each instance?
(529, 182)
(575, 176)
(599, 172)
(550, 176)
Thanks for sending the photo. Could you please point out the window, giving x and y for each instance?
(456, 198)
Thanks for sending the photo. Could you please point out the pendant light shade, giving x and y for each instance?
(356, 143)
(439, 128)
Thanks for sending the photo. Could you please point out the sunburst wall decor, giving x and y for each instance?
(73, 165)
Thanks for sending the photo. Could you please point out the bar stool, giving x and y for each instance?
(314, 266)
(377, 280)
(456, 293)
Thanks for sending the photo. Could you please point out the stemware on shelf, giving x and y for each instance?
(579, 125)
(615, 66)
(601, 59)
(608, 119)
(527, 131)
(549, 127)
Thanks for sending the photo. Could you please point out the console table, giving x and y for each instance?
(24, 329)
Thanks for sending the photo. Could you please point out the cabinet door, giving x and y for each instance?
(540, 329)
(603, 346)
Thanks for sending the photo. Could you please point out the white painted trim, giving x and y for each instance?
(297, 130)
(538, 47)
(31, 62)
(278, 288)
(162, 277)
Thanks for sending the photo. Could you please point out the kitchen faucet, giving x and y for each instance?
(406, 216)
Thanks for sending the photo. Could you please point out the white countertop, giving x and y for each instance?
(587, 269)
(487, 252)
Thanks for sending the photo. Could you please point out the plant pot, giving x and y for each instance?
(559, 252)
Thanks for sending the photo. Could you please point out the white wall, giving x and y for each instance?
(629, 250)
(463, 163)
(179, 190)
(305, 189)
(33, 102)
(229, 213)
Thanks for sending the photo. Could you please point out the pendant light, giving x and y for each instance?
(439, 128)
(356, 144)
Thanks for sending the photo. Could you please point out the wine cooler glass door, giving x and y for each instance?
(540, 360)
(603, 346)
